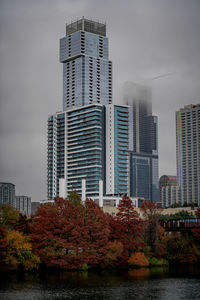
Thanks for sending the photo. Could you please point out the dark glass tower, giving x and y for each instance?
(143, 142)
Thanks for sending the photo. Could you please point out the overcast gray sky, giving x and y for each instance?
(147, 38)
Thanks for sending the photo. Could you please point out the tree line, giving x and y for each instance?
(69, 235)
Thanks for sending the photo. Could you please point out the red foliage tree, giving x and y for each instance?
(23, 224)
(67, 235)
(128, 229)
(97, 231)
(57, 234)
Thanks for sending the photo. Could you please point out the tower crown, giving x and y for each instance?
(86, 25)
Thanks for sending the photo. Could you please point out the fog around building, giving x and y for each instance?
(151, 42)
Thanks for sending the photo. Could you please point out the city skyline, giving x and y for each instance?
(29, 48)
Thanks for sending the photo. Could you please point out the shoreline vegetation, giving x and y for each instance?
(67, 235)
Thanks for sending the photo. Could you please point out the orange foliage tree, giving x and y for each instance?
(138, 259)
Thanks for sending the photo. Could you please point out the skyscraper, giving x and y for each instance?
(87, 71)
(143, 142)
(188, 153)
(88, 140)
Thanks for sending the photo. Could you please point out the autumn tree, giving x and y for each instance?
(96, 232)
(151, 212)
(128, 229)
(57, 234)
(19, 252)
(23, 223)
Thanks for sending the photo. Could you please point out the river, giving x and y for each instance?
(156, 283)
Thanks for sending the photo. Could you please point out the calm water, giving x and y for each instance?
(157, 283)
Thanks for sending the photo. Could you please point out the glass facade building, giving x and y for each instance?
(143, 142)
(87, 71)
(144, 176)
(188, 153)
(76, 149)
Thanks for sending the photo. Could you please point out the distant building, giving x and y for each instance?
(166, 180)
(188, 153)
(143, 142)
(144, 176)
(7, 193)
(23, 204)
(170, 195)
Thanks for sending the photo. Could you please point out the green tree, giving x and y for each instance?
(74, 198)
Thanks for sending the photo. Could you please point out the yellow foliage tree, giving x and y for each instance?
(19, 252)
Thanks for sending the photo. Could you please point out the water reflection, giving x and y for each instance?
(144, 283)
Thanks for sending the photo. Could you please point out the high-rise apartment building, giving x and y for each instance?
(188, 153)
(143, 142)
(7, 193)
(88, 142)
(87, 70)
(76, 149)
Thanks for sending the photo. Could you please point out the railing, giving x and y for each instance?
(180, 224)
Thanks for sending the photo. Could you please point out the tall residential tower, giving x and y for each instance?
(88, 140)
(188, 153)
(87, 70)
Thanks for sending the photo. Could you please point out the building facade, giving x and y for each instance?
(7, 193)
(170, 196)
(166, 180)
(87, 70)
(143, 142)
(188, 153)
(144, 176)
(76, 149)
(23, 204)
(117, 140)
(88, 142)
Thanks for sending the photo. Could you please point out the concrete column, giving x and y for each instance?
(83, 190)
(101, 193)
(117, 202)
(62, 188)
